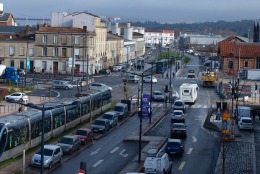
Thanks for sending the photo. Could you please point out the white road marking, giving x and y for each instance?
(115, 149)
(194, 139)
(198, 106)
(97, 163)
(122, 153)
(205, 106)
(181, 166)
(189, 151)
(95, 152)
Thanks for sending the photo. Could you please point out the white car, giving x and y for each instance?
(147, 79)
(17, 96)
(246, 123)
(99, 86)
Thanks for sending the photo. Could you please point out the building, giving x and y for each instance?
(6, 19)
(158, 37)
(236, 54)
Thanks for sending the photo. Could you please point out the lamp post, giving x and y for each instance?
(141, 120)
(42, 109)
(150, 113)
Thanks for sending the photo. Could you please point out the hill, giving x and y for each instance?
(241, 28)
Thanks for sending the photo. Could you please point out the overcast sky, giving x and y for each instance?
(171, 11)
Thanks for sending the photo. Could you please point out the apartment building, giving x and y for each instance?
(155, 37)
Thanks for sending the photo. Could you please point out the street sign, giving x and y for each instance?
(145, 105)
(81, 171)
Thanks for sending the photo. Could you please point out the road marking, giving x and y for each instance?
(97, 163)
(189, 151)
(95, 152)
(181, 166)
(194, 139)
(115, 149)
(199, 106)
(122, 153)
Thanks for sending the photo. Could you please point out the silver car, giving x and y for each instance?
(112, 117)
(69, 144)
(52, 154)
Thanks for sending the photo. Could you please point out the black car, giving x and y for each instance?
(174, 146)
(178, 130)
(100, 126)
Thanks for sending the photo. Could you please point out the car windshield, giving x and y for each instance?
(66, 140)
(47, 152)
(158, 93)
(177, 113)
(108, 116)
(99, 122)
(118, 108)
(246, 121)
(178, 103)
(173, 144)
(81, 132)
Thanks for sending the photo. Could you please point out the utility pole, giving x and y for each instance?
(141, 120)
(150, 116)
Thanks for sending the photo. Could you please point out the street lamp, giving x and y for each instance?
(42, 108)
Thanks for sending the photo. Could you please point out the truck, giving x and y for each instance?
(158, 163)
(208, 78)
(253, 74)
(243, 111)
(189, 92)
(9, 73)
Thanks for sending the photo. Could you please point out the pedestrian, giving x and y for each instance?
(20, 109)
(173, 74)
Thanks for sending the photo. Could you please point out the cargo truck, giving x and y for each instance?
(208, 78)
(9, 73)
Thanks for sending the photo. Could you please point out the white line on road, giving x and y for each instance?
(95, 152)
(122, 153)
(97, 163)
(189, 151)
(115, 149)
(181, 166)
(194, 139)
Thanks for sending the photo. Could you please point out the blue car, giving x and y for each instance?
(174, 147)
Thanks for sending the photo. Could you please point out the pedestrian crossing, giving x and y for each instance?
(193, 65)
(195, 106)
(185, 78)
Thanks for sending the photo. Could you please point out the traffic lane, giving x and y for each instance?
(101, 148)
(122, 154)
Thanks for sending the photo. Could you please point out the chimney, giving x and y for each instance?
(85, 28)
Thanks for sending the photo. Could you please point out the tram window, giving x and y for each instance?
(48, 124)
(18, 136)
(3, 142)
(35, 129)
(59, 120)
(85, 108)
(73, 113)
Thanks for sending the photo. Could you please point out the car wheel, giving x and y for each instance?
(66, 87)
(60, 161)
(21, 100)
(50, 165)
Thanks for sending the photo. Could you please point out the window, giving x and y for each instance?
(31, 51)
(76, 52)
(44, 39)
(63, 66)
(64, 52)
(55, 39)
(55, 51)
(12, 51)
(63, 39)
(12, 63)
(44, 51)
(230, 64)
(44, 65)
(21, 51)
(21, 64)
(246, 64)
(77, 40)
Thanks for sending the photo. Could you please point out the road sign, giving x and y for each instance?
(145, 105)
(81, 171)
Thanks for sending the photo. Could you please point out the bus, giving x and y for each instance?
(161, 66)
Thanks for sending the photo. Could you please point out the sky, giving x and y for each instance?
(170, 11)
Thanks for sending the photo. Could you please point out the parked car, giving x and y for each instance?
(17, 96)
(158, 96)
(122, 110)
(84, 134)
(104, 71)
(69, 144)
(100, 126)
(147, 79)
(21, 72)
(178, 130)
(177, 116)
(61, 84)
(174, 146)
(52, 154)
(246, 123)
(99, 86)
(112, 117)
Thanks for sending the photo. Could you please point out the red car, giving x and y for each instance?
(85, 135)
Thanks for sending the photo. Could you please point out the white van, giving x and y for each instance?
(189, 92)
(158, 164)
(243, 111)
